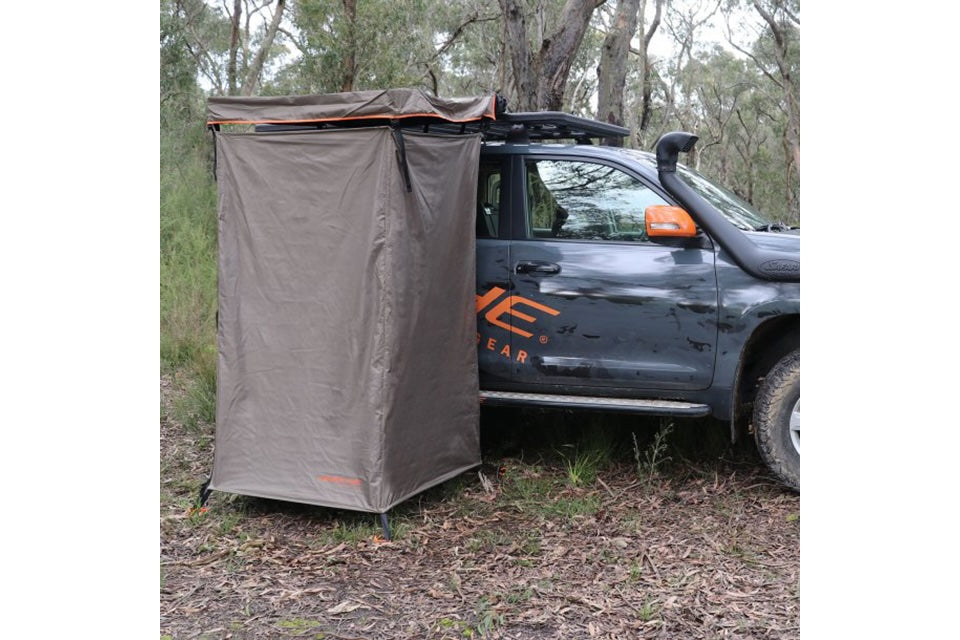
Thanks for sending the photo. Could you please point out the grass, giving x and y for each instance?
(188, 271)
(197, 407)
(582, 467)
(647, 611)
(299, 626)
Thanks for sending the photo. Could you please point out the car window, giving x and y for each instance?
(575, 200)
(488, 200)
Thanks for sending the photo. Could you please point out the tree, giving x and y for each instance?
(252, 77)
(539, 77)
(646, 67)
(612, 72)
(683, 23)
(468, 56)
(228, 44)
(179, 91)
(583, 56)
(346, 45)
(775, 52)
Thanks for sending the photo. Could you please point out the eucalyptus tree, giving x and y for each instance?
(767, 32)
(231, 43)
(542, 50)
(612, 72)
(347, 45)
(180, 95)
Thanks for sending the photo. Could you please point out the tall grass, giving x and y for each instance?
(188, 265)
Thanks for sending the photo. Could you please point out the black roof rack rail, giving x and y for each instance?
(515, 127)
(551, 125)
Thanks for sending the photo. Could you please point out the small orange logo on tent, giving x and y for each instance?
(340, 480)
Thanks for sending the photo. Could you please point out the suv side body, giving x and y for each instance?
(614, 315)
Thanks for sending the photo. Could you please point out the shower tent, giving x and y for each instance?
(347, 372)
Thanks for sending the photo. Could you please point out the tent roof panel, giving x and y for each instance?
(389, 104)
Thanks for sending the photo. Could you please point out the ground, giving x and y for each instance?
(554, 536)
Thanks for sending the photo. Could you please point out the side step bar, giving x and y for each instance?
(650, 407)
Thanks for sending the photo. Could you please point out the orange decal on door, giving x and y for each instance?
(508, 306)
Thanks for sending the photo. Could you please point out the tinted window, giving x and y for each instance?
(488, 200)
(585, 201)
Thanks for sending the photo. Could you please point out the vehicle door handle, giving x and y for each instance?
(538, 266)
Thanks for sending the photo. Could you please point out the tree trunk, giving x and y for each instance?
(789, 88)
(558, 51)
(612, 72)
(350, 47)
(234, 48)
(540, 79)
(256, 67)
(515, 28)
(647, 103)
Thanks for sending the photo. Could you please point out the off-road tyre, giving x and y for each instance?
(778, 395)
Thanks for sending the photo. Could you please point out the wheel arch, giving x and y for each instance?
(769, 342)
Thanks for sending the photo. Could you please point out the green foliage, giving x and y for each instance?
(388, 42)
(188, 232)
(180, 98)
(188, 250)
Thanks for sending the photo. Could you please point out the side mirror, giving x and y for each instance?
(664, 221)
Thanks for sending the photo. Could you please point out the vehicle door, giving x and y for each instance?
(594, 302)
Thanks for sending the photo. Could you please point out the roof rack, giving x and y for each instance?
(521, 127)
(538, 126)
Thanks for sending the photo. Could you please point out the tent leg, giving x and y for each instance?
(204, 493)
(386, 526)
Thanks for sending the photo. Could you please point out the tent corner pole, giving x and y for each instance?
(386, 526)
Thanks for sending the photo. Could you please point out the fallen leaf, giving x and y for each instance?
(346, 607)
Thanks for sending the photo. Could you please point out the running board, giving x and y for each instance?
(652, 407)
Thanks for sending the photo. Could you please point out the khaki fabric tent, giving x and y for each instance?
(347, 333)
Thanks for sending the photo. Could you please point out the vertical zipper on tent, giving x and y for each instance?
(401, 155)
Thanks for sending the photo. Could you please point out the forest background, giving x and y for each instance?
(727, 70)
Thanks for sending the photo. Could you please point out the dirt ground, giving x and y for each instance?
(526, 546)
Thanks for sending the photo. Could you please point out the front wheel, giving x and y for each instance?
(776, 420)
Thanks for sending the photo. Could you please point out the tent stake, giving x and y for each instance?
(386, 526)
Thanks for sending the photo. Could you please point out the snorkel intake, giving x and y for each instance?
(760, 263)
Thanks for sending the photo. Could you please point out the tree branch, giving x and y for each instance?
(768, 18)
(754, 58)
(459, 30)
(253, 73)
(653, 26)
(293, 40)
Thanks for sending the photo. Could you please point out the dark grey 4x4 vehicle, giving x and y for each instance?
(615, 279)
